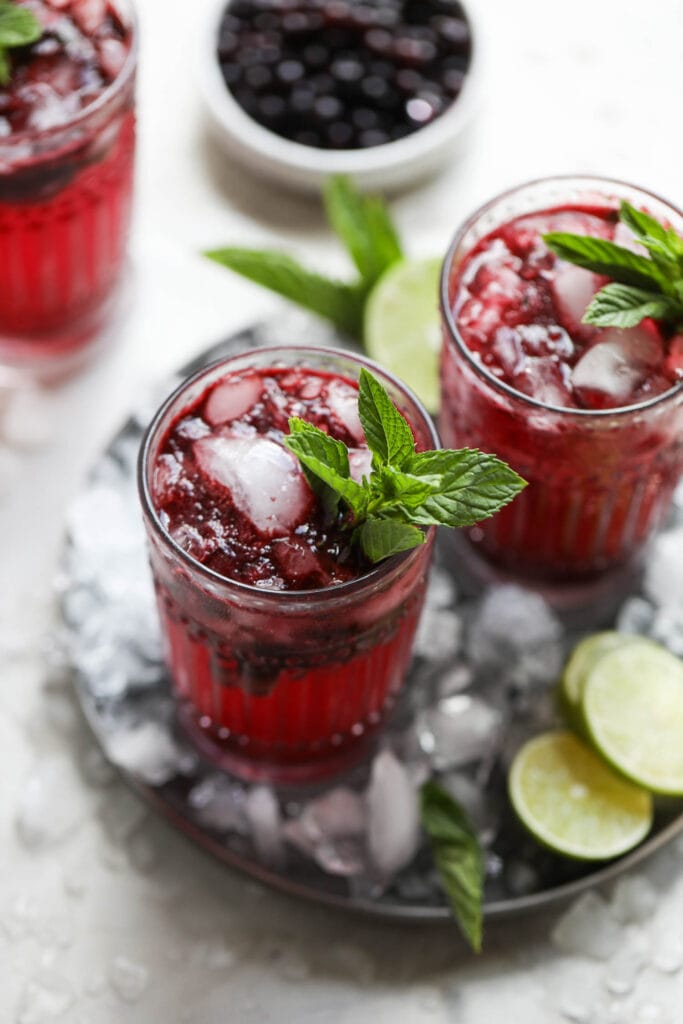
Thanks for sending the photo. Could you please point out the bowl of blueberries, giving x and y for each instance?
(382, 90)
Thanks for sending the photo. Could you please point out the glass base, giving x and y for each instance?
(316, 767)
(579, 604)
(50, 357)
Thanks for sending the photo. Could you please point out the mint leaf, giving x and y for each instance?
(603, 257)
(473, 486)
(458, 858)
(380, 538)
(619, 305)
(364, 226)
(405, 489)
(18, 27)
(387, 432)
(327, 459)
(336, 301)
(643, 225)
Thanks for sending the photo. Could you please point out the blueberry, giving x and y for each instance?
(364, 72)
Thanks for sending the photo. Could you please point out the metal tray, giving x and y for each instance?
(111, 640)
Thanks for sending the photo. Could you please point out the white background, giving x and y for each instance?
(592, 86)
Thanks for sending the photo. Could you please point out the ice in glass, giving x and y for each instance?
(285, 646)
(67, 134)
(591, 417)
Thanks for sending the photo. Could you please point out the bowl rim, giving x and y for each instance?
(241, 130)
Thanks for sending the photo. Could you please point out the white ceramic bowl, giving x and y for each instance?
(304, 168)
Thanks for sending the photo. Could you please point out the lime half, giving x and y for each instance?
(401, 326)
(572, 802)
(633, 710)
(582, 660)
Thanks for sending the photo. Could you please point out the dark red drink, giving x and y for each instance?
(591, 417)
(285, 647)
(67, 134)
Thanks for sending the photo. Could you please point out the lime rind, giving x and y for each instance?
(573, 803)
(585, 655)
(633, 710)
(401, 325)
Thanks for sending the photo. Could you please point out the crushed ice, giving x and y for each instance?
(481, 684)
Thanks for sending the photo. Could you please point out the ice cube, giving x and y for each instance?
(360, 463)
(219, 803)
(342, 401)
(263, 814)
(588, 929)
(636, 615)
(623, 969)
(674, 360)
(147, 751)
(664, 571)
(458, 730)
(297, 561)
(438, 635)
(393, 819)
(612, 369)
(331, 831)
(634, 900)
(89, 14)
(128, 979)
(573, 288)
(45, 997)
(113, 54)
(542, 378)
(50, 804)
(263, 478)
(511, 621)
(233, 399)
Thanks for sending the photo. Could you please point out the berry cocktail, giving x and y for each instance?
(285, 645)
(591, 417)
(67, 132)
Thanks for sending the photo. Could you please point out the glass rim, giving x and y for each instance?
(387, 568)
(455, 337)
(114, 87)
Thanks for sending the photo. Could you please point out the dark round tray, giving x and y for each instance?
(111, 639)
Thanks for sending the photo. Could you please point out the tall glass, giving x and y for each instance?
(65, 204)
(600, 482)
(283, 685)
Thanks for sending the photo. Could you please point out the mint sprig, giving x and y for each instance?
(458, 858)
(643, 284)
(364, 226)
(406, 489)
(18, 27)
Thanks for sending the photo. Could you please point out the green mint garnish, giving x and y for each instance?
(642, 285)
(405, 489)
(364, 226)
(458, 858)
(18, 27)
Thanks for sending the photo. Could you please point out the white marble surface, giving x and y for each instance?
(121, 919)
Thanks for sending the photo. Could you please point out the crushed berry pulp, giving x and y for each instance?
(237, 500)
(67, 133)
(519, 309)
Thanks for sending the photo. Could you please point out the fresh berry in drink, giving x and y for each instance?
(343, 74)
(519, 309)
(231, 494)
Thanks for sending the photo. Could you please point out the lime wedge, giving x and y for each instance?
(401, 327)
(633, 710)
(583, 658)
(572, 802)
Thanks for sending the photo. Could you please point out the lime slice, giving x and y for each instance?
(572, 802)
(401, 328)
(633, 709)
(583, 658)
